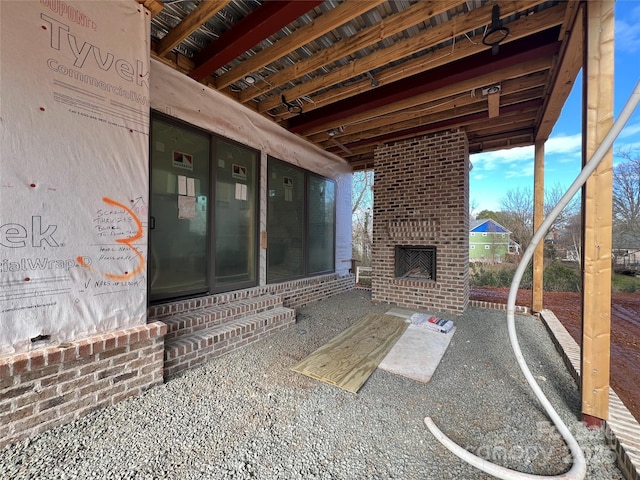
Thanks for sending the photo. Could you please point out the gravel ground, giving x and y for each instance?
(247, 415)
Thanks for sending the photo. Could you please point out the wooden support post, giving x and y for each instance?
(538, 218)
(597, 210)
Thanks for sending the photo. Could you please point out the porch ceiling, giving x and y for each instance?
(352, 75)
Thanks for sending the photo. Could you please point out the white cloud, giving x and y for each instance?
(502, 159)
(629, 131)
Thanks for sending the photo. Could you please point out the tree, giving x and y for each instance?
(361, 216)
(517, 212)
(626, 194)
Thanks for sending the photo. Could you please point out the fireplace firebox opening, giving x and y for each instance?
(415, 262)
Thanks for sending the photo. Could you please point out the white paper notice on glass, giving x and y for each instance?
(182, 185)
(191, 187)
(241, 191)
(288, 194)
(186, 207)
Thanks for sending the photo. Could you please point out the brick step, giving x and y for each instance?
(190, 322)
(187, 351)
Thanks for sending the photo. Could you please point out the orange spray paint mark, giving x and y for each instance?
(128, 242)
(121, 277)
(82, 263)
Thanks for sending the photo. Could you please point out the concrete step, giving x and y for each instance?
(187, 351)
(190, 322)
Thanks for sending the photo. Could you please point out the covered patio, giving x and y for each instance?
(303, 92)
(248, 415)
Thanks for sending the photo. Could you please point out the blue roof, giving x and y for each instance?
(487, 225)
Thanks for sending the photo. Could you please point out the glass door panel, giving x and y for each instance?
(321, 225)
(285, 222)
(235, 217)
(178, 234)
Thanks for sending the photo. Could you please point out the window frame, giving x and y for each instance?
(308, 174)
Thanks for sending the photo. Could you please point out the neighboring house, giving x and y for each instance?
(489, 241)
(626, 253)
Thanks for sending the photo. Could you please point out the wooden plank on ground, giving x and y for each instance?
(348, 360)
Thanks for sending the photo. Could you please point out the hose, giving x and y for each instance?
(579, 467)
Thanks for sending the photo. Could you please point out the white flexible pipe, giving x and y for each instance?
(579, 467)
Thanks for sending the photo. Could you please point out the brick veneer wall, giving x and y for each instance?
(54, 385)
(295, 293)
(421, 193)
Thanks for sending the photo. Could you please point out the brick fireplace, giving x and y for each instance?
(420, 254)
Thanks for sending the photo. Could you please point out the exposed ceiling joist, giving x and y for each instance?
(264, 21)
(377, 71)
(400, 49)
(154, 6)
(189, 24)
(417, 13)
(529, 49)
(519, 29)
(567, 65)
(343, 13)
(406, 119)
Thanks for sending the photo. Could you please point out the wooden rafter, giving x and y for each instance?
(264, 21)
(419, 12)
(390, 70)
(343, 13)
(568, 64)
(189, 24)
(405, 48)
(467, 78)
(460, 104)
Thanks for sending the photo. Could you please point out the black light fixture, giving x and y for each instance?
(496, 33)
(291, 107)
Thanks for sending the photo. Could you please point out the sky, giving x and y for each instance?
(495, 173)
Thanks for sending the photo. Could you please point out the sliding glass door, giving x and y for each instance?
(196, 246)
(178, 233)
(235, 216)
(301, 216)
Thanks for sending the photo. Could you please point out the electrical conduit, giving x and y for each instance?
(579, 467)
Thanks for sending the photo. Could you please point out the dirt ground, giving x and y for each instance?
(625, 332)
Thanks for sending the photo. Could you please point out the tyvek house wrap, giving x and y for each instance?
(74, 113)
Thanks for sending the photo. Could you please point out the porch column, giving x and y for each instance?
(597, 212)
(538, 218)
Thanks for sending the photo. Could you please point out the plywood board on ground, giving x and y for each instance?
(348, 360)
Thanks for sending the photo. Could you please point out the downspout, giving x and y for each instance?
(579, 467)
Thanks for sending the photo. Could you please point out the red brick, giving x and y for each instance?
(20, 363)
(37, 360)
(54, 356)
(18, 414)
(83, 350)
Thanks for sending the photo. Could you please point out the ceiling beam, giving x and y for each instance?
(412, 45)
(387, 27)
(441, 94)
(340, 15)
(529, 49)
(529, 87)
(198, 17)
(264, 21)
(478, 105)
(568, 64)
(442, 125)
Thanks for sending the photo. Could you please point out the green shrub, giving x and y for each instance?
(625, 283)
(559, 277)
(482, 275)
